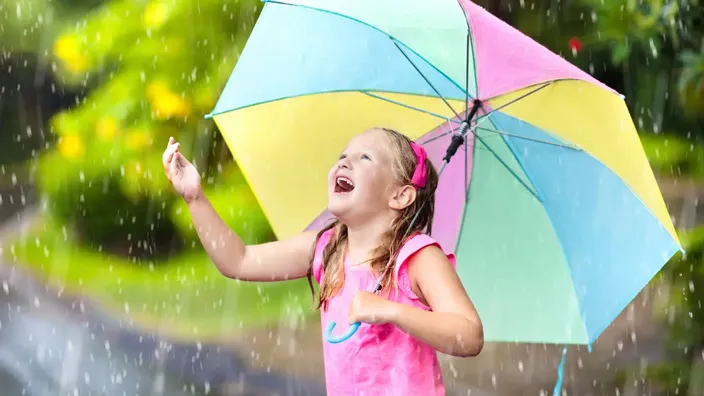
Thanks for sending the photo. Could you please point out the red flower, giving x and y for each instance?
(575, 45)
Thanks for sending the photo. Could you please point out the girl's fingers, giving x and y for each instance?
(182, 161)
(173, 165)
(169, 152)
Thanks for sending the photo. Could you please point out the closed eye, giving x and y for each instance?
(366, 157)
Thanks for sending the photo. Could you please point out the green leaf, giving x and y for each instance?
(620, 52)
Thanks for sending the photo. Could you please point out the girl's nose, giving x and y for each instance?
(344, 163)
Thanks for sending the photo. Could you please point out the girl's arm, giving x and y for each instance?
(453, 327)
(273, 261)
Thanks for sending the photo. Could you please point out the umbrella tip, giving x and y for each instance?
(622, 96)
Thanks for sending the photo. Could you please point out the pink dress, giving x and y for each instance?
(378, 359)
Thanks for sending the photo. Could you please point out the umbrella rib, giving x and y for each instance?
(483, 117)
(432, 139)
(408, 106)
(466, 107)
(424, 77)
(525, 95)
(508, 168)
(502, 162)
(466, 72)
(466, 170)
(531, 139)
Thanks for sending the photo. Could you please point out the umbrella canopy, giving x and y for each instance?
(550, 205)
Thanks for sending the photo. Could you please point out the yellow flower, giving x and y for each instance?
(67, 46)
(68, 49)
(155, 15)
(156, 89)
(168, 106)
(165, 103)
(137, 139)
(71, 146)
(106, 127)
(77, 64)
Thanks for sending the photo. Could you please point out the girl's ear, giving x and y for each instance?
(402, 197)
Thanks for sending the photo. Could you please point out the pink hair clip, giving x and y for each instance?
(420, 174)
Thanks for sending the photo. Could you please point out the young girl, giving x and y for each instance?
(381, 192)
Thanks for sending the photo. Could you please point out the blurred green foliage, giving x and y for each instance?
(112, 225)
(235, 203)
(684, 315)
(671, 155)
(188, 299)
(153, 69)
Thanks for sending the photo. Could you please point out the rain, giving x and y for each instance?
(107, 290)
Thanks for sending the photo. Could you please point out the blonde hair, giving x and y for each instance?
(384, 256)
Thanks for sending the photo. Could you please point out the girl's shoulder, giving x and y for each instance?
(416, 243)
(413, 245)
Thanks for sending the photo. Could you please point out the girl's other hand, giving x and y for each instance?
(371, 308)
(180, 172)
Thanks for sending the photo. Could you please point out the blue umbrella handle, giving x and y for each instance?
(335, 340)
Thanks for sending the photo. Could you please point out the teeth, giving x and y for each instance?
(342, 179)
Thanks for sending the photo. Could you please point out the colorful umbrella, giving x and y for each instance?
(549, 203)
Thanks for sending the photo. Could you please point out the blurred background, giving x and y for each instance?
(107, 291)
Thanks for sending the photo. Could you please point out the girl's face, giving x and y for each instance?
(360, 183)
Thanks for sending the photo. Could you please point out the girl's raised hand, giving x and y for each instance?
(180, 172)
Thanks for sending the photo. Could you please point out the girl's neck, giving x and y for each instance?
(361, 241)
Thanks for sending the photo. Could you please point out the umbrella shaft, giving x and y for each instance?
(473, 111)
(458, 139)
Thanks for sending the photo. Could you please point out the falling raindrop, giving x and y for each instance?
(653, 48)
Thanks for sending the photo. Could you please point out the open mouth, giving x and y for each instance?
(343, 185)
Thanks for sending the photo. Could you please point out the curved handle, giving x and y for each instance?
(335, 340)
